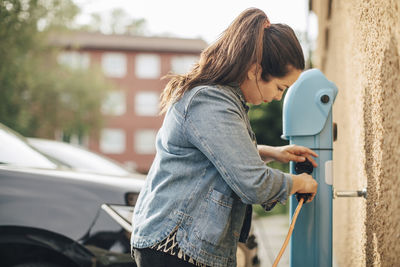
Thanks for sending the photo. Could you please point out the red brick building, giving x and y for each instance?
(136, 65)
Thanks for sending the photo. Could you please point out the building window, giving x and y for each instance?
(74, 59)
(114, 104)
(148, 66)
(112, 141)
(144, 141)
(114, 64)
(146, 103)
(182, 64)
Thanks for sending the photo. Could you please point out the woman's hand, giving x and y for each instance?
(295, 153)
(304, 183)
(288, 153)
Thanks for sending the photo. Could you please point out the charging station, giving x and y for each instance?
(307, 121)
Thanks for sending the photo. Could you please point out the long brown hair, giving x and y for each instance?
(245, 42)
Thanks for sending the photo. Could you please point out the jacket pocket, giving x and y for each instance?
(214, 225)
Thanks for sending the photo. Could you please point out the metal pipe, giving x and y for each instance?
(358, 193)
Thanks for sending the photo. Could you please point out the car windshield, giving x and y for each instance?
(78, 158)
(15, 151)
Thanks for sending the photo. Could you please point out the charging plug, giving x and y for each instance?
(305, 196)
(303, 167)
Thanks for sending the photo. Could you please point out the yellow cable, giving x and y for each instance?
(289, 234)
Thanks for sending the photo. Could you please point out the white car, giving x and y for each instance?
(80, 159)
(53, 216)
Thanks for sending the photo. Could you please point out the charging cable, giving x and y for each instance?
(301, 198)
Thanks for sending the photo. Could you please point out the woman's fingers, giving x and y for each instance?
(297, 154)
(296, 158)
(305, 184)
(302, 153)
(311, 198)
(309, 151)
(312, 160)
(301, 158)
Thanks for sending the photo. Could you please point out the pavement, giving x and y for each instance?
(271, 232)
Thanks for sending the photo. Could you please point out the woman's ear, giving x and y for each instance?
(252, 73)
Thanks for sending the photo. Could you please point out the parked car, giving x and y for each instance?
(79, 158)
(84, 160)
(54, 213)
(53, 216)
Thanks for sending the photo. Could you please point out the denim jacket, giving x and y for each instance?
(206, 171)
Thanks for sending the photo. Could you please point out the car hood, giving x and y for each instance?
(131, 182)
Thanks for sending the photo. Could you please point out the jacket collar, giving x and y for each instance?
(236, 89)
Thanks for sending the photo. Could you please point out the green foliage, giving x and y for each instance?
(279, 165)
(38, 96)
(266, 121)
(120, 22)
(279, 208)
(64, 100)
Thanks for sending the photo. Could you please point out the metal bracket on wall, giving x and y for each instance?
(358, 193)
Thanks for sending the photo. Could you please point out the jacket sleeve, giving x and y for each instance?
(214, 123)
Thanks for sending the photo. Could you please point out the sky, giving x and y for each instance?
(204, 19)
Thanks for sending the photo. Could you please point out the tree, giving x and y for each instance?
(38, 96)
(120, 22)
(136, 27)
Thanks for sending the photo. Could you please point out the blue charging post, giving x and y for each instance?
(307, 121)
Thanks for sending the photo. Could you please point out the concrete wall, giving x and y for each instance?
(358, 49)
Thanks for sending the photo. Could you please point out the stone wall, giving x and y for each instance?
(358, 48)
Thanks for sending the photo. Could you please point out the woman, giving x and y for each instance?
(208, 170)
